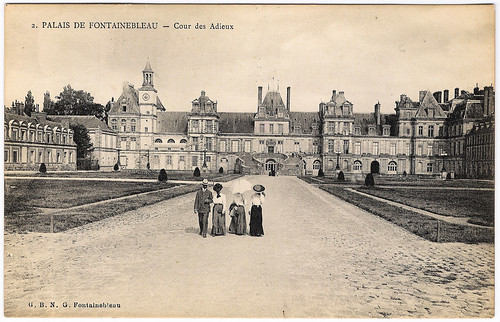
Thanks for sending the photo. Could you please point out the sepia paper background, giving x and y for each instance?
(373, 53)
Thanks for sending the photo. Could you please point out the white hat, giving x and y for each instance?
(204, 182)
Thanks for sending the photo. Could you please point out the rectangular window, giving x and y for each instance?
(371, 130)
(357, 131)
(408, 131)
(346, 146)
(280, 146)
(124, 108)
(375, 148)
(386, 131)
(262, 128)
(357, 148)
(123, 138)
(420, 130)
(6, 156)
(58, 157)
(195, 144)
(271, 128)
(195, 125)
(234, 146)
(331, 127)
(429, 167)
(169, 160)
(429, 150)
(296, 146)
(280, 128)
(261, 146)
(420, 150)
(14, 157)
(392, 149)
(208, 159)
(182, 158)
(208, 144)
(124, 128)
(345, 128)
(430, 131)
(248, 146)
(133, 139)
(407, 148)
(331, 146)
(146, 129)
(209, 127)
(132, 128)
(114, 127)
(195, 161)
(223, 146)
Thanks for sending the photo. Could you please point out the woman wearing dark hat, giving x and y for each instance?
(258, 199)
(219, 212)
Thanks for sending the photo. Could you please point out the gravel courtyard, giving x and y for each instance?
(320, 257)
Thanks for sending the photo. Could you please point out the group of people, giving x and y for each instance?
(236, 210)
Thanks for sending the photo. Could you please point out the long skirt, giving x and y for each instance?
(218, 221)
(256, 221)
(238, 223)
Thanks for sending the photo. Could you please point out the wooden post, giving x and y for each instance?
(51, 223)
(438, 230)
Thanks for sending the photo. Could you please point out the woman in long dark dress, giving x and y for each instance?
(219, 212)
(238, 223)
(258, 199)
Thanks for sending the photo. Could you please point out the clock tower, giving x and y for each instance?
(148, 102)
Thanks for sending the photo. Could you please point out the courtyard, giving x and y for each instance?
(320, 257)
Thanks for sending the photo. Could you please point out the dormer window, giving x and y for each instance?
(124, 108)
(386, 130)
(371, 130)
(357, 130)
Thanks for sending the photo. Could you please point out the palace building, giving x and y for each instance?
(426, 136)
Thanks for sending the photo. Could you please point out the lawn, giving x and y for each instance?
(132, 174)
(67, 193)
(477, 205)
(67, 219)
(421, 225)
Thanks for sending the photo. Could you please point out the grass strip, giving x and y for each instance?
(65, 220)
(416, 223)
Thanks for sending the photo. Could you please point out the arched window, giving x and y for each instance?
(132, 121)
(124, 120)
(357, 165)
(158, 141)
(317, 165)
(183, 141)
(171, 141)
(392, 167)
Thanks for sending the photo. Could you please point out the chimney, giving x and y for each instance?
(457, 91)
(437, 96)
(334, 95)
(259, 96)
(288, 98)
(488, 102)
(446, 94)
(421, 95)
(377, 113)
(476, 90)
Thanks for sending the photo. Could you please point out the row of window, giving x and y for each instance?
(48, 157)
(41, 135)
(204, 126)
(271, 128)
(158, 140)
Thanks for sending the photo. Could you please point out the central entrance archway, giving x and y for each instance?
(270, 165)
(375, 167)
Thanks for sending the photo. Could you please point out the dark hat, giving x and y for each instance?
(258, 188)
(217, 187)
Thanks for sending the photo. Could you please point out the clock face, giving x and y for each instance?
(145, 96)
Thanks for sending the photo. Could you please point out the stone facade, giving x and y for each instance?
(423, 137)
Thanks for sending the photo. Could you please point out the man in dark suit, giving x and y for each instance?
(202, 206)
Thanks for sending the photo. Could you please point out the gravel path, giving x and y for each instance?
(320, 257)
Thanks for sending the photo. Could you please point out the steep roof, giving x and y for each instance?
(129, 96)
(236, 122)
(89, 121)
(429, 107)
(305, 120)
(12, 116)
(468, 109)
(172, 122)
(272, 100)
(148, 68)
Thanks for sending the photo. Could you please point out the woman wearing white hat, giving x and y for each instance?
(258, 199)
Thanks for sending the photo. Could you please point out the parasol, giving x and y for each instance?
(241, 186)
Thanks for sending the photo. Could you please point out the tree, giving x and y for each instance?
(82, 140)
(196, 172)
(221, 170)
(341, 176)
(29, 104)
(369, 180)
(116, 167)
(43, 168)
(321, 173)
(76, 102)
(47, 102)
(162, 177)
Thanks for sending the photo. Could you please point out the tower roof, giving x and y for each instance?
(148, 68)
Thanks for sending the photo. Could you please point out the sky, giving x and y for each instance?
(372, 53)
